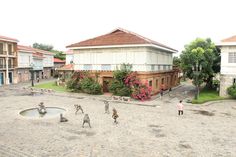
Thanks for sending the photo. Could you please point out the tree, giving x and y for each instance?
(43, 46)
(176, 61)
(200, 55)
(57, 54)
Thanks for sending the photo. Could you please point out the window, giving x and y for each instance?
(87, 67)
(10, 52)
(152, 67)
(2, 63)
(105, 67)
(164, 67)
(1, 48)
(162, 80)
(232, 57)
(150, 83)
(159, 67)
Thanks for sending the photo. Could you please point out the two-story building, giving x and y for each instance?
(41, 62)
(8, 60)
(104, 54)
(228, 64)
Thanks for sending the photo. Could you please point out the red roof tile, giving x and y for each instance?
(25, 48)
(59, 60)
(4, 38)
(28, 48)
(118, 37)
(230, 39)
(66, 67)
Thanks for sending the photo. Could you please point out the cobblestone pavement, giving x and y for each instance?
(145, 129)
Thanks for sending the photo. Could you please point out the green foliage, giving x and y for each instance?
(57, 54)
(202, 52)
(119, 88)
(176, 61)
(207, 95)
(232, 91)
(43, 46)
(90, 86)
(73, 84)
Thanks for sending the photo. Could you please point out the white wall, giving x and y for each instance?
(48, 60)
(24, 59)
(38, 64)
(226, 67)
(142, 58)
(69, 58)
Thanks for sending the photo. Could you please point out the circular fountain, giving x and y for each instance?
(34, 112)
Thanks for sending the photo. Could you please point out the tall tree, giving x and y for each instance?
(200, 61)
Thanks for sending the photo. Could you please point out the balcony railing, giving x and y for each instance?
(10, 66)
(9, 53)
(3, 52)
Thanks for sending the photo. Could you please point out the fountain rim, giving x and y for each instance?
(50, 117)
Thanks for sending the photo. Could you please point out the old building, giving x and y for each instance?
(228, 64)
(41, 62)
(104, 54)
(8, 60)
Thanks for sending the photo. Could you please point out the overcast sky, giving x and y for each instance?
(170, 22)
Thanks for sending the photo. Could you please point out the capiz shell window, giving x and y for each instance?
(105, 67)
(87, 67)
(232, 57)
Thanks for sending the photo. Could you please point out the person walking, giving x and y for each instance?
(180, 107)
(169, 91)
(161, 93)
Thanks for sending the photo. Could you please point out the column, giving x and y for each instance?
(7, 71)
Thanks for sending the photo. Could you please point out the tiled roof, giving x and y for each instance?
(230, 39)
(31, 49)
(56, 60)
(118, 37)
(4, 38)
(25, 48)
(66, 67)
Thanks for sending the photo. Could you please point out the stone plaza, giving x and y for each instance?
(144, 129)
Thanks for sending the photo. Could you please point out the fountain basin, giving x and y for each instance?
(51, 112)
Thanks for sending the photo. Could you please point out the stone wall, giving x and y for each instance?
(225, 82)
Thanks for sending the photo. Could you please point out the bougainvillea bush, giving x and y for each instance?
(126, 83)
(139, 90)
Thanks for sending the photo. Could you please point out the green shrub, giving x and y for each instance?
(73, 84)
(232, 91)
(90, 86)
(125, 91)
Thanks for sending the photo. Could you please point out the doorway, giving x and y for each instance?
(1, 79)
(105, 84)
(10, 75)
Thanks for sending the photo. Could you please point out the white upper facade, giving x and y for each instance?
(109, 51)
(228, 56)
(141, 58)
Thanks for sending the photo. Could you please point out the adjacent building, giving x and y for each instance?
(8, 60)
(34, 60)
(104, 54)
(228, 64)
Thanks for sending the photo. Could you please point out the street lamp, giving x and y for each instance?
(196, 72)
(32, 73)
